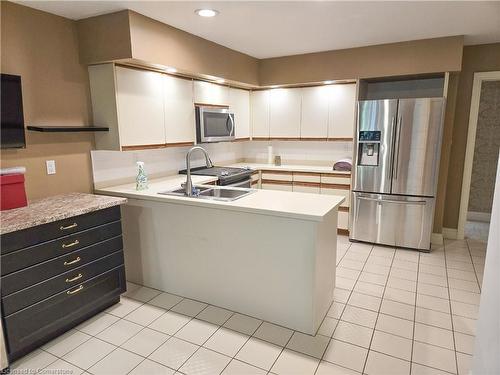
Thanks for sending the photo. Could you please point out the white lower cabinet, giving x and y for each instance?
(179, 110)
(306, 188)
(281, 187)
(338, 191)
(343, 220)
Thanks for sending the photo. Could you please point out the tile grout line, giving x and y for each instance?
(474, 267)
(415, 317)
(451, 311)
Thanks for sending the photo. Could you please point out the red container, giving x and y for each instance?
(12, 194)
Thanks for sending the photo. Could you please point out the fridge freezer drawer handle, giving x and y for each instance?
(418, 203)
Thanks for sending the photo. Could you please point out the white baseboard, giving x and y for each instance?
(479, 216)
(437, 239)
(450, 233)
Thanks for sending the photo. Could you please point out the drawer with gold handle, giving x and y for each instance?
(67, 227)
(74, 291)
(74, 261)
(71, 244)
(77, 277)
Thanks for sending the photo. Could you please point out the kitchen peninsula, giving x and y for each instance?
(269, 254)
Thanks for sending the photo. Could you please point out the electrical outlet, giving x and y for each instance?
(51, 166)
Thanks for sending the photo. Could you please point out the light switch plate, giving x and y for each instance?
(51, 166)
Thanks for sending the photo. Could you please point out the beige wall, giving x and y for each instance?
(480, 58)
(43, 49)
(405, 58)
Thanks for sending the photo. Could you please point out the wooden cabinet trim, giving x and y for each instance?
(179, 144)
(316, 174)
(241, 139)
(343, 209)
(335, 186)
(151, 147)
(341, 175)
(276, 172)
(276, 182)
(340, 139)
(260, 138)
(226, 106)
(344, 232)
(312, 139)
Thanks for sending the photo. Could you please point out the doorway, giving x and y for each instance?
(481, 157)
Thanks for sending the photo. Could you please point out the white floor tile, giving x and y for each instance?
(399, 295)
(379, 260)
(124, 307)
(174, 353)
(373, 278)
(364, 301)
(97, 324)
(405, 265)
(417, 369)
(382, 251)
(379, 270)
(145, 314)
(226, 341)
(433, 318)
(464, 325)
(148, 367)
(433, 356)
(336, 310)
(397, 283)
(464, 343)
(259, 353)
(62, 367)
(327, 326)
(243, 323)
(464, 296)
(347, 273)
(293, 363)
(464, 363)
(327, 368)
(280, 335)
(142, 293)
(433, 290)
(432, 279)
(196, 331)
(236, 367)
(353, 334)
(370, 289)
(470, 286)
(118, 362)
(215, 315)
(433, 303)
(341, 295)
(345, 283)
(65, 343)
(359, 316)
(434, 335)
(170, 322)
(395, 326)
(465, 309)
(313, 346)
(119, 332)
(205, 362)
(403, 274)
(37, 359)
(89, 353)
(165, 300)
(395, 346)
(145, 342)
(346, 355)
(189, 307)
(398, 309)
(433, 269)
(381, 364)
(461, 275)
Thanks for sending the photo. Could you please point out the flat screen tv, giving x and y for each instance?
(12, 118)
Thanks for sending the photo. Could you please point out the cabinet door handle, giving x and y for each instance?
(70, 292)
(76, 260)
(66, 245)
(77, 277)
(74, 225)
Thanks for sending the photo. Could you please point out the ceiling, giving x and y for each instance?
(276, 28)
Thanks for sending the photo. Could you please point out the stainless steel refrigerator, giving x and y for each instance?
(395, 171)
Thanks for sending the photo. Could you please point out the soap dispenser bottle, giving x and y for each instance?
(141, 181)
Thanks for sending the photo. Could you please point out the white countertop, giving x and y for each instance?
(303, 206)
(290, 167)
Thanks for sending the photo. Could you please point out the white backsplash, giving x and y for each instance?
(115, 167)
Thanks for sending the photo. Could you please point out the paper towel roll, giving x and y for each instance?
(269, 154)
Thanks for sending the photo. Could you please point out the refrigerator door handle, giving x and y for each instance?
(418, 203)
(391, 151)
(399, 124)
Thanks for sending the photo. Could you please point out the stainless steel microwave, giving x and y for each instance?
(214, 124)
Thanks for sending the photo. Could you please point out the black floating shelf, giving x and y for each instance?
(68, 129)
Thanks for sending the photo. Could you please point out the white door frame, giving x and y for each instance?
(479, 78)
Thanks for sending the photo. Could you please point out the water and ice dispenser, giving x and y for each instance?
(368, 148)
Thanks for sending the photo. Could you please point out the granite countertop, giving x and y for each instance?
(47, 210)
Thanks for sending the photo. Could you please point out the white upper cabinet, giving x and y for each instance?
(315, 109)
(210, 93)
(139, 97)
(342, 112)
(179, 110)
(239, 103)
(285, 113)
(260, 113)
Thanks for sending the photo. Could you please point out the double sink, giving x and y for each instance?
(212, 193)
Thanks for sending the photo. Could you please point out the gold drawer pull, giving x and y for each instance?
(73, 261)
(65, 245)
(74, 225)
(79, 276)
(70, 292)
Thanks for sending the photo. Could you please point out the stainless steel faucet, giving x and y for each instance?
(189, 182)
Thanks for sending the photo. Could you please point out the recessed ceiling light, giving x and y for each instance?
(206, 12)
(327, 82)
(171, 70)
(220, 80)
